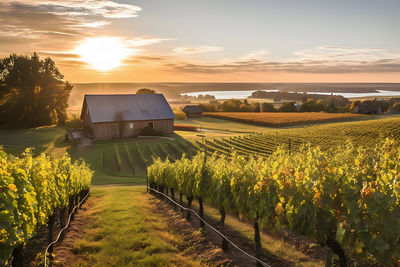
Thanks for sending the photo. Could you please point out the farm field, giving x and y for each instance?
(275, 119)
(222, 125)
(329, 135)
(125, 160)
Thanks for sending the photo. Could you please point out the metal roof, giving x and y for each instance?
(192, 109)
(110, 108)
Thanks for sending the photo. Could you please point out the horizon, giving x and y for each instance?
(107, 41)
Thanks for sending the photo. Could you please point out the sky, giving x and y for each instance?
(208, 40)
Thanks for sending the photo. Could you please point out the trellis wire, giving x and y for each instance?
(215, 230)
(65, 227)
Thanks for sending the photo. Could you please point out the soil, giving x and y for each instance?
(305, 245)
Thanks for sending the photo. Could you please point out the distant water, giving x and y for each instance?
(246, 94)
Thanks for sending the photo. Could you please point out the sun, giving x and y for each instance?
(103, 53)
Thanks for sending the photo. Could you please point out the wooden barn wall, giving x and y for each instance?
(110, 130)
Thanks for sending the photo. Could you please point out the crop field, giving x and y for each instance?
(360, 133)
(126, 160)
(281, 119)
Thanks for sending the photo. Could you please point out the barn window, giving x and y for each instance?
(151, 124)
(131, 125)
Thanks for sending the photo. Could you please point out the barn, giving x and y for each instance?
(192, 111)
(120, 116)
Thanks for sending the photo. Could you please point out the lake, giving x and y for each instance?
(246, 94)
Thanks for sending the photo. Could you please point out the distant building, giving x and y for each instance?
(371, 108)
(119, 116)
(192, 111)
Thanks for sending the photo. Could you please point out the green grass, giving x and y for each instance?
(15, 141)
(111, 159)
(124, 230)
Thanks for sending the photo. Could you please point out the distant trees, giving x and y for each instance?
(32, 92)
(288, 107)
(267, 107)
(145, 91)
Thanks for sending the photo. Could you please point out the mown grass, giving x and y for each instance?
(124, 230)
(15, 141)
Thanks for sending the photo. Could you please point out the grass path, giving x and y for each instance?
(122, 229)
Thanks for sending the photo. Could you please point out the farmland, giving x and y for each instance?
(326, 136)
(125, 161)
(342, 198)
(274, 119)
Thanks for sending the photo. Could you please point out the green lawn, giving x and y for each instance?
(125, 230)
(15, 141)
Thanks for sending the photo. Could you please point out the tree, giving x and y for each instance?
(145, 91)
(288, 107)
(32, 92)
(267, 107)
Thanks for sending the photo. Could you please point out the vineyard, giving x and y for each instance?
(363, 133)
(34, 191)
(281, 119)
(347, 199)
(126, 161)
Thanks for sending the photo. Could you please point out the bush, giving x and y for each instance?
(75, 122)
(188, 128)
(180, 115)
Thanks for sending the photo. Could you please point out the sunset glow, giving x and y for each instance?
(103, 53)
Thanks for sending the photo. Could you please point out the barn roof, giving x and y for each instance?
(110, 108)
(192, 109)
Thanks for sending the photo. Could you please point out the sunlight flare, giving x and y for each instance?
(103, 53)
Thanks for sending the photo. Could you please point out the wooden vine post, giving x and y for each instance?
(257, 241)
(225, 245)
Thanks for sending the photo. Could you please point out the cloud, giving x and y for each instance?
(185, 50)
(256, 54)
(258, 66)
(104, 8)
(320, 60)
(59, 26)
(343, 53)
(144, 41)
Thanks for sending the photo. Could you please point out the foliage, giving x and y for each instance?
(32, 92)
(311, 105)
(347, 198)
(267, 107)
(180, 115)
(31, 189)
(288, 107)
(145, 91)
